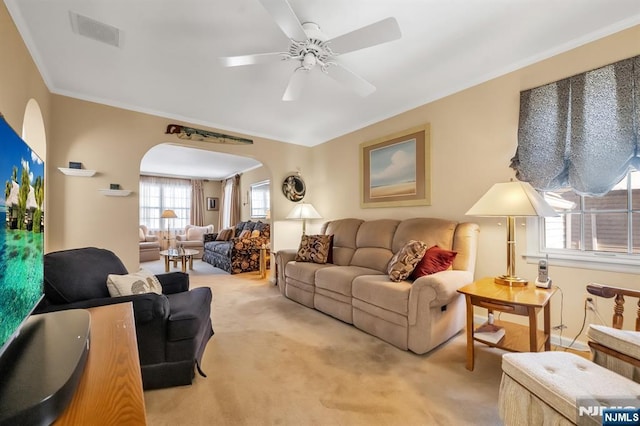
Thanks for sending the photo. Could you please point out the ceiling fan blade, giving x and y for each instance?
(260, 58)
(371, 35)
(352, 81)
(281, 12)
(296, 82)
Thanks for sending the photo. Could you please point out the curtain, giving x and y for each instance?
(235, 211)
(158, 194)
(581, 133)
(230, 202)
(197, 202)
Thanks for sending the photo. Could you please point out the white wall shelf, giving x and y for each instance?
(115, 192)
(77, 172)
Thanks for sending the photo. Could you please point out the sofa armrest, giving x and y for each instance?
(282, 258)
(181, 237)
(174, 282)
(150, 238)
(439, 289)
(146, 307)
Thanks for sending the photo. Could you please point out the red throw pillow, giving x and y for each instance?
(434, 260)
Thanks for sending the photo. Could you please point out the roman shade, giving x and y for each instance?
(581, 133)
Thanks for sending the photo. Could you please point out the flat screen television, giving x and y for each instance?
(42, 357)
(21, 233)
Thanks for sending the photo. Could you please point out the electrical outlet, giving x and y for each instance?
(590, 304)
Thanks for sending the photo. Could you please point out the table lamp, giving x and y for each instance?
(304, 211)
(169, 214)
(511, 199)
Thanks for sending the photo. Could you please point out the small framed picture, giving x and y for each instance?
(213, 203)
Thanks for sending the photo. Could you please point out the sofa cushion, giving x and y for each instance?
(62, 270)
(314, 248)
(434, 232)
(404, 262)
(344, 233)
(434, 260)
(245, 234)
(197, 232)
(338, 278)
(139, 282)
(379, 291)
(304, 272)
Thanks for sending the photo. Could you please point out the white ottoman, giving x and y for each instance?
(541, 388)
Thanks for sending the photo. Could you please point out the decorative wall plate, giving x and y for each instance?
(293, 188)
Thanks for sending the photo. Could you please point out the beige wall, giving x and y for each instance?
(473, 136)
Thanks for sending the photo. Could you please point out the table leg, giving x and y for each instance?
(263, 262)
(166, 263)
(191, 262)
(547, 326)
(533, 329)
(183, 260)
(470, 348)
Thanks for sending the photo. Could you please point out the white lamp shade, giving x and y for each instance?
(512, 199)
(304, 211)
(169, 214)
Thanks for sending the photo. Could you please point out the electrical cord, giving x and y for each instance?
(561, 321)
(584, 321)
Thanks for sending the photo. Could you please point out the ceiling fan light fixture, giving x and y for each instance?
(309, 61)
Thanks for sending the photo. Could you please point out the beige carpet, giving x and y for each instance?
(275, 362)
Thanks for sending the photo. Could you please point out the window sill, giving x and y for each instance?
(598, 261)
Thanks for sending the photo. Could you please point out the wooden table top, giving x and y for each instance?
(110, 389)
(528, 295)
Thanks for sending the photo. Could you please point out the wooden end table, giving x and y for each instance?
(526, 301)
(185, 256)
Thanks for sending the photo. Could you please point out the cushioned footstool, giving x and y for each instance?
(616, 350)
(543, 387)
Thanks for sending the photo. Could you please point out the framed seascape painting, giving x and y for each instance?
(395, 170)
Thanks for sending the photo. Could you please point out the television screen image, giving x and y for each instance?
(21, 232)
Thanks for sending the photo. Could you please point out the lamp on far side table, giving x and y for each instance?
(304, 211)
(511, 199)
(169, 215)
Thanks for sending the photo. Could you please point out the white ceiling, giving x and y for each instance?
(168, 64)
(180, 161)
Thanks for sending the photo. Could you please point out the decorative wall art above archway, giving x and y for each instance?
(293, 188)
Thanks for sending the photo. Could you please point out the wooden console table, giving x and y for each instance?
(526, 301)
(110, 389)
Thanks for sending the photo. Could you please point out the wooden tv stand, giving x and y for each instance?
(110, 389)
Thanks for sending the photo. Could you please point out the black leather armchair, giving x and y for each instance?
(172, 328)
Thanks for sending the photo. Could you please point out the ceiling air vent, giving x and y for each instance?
(95, 30)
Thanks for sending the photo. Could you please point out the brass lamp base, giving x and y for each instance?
(510, 281)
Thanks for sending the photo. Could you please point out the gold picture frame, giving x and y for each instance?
(395, 170)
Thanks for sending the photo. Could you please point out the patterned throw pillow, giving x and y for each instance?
(255, 233)
(225, 234)
(125, 285)
(403, 262)
(245, 234)
(435, 260)
(314, 248)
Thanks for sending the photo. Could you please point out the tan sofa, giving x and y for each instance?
(149, 245)
(356, 289)
(193, 238)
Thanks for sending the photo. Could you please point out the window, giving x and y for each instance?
(596, 229)
(159, 194)
(260, 200)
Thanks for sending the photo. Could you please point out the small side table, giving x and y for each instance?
(526, 301)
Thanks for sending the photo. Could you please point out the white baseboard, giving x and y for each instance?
(556, 339)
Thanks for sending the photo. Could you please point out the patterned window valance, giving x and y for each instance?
(581, 133)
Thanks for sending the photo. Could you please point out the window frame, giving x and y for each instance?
(585, 259)
(254, 186)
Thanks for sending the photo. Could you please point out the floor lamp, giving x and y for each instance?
(511, 199)
(169, 215)
(304, 211)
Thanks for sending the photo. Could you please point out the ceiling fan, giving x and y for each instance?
(311, 48)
